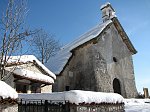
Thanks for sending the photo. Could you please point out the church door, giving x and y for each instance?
(116, 86)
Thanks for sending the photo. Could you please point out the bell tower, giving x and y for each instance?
(107, 12)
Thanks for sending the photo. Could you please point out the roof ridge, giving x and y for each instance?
(85, 35)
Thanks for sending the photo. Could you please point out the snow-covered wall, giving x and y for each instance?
(76, 97)
(78, 101)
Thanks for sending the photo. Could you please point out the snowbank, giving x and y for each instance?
(7, 92)
(76, 97)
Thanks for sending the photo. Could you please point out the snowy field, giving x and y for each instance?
(137, 105)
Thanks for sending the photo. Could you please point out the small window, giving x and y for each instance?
(67, 88)
(21, 88)
(70, 74)
(35, 88)
(114, 59)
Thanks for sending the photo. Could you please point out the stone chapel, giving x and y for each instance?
(99, 60)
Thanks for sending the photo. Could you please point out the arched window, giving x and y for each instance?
(114, 59)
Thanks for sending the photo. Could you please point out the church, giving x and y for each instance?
(99, 60)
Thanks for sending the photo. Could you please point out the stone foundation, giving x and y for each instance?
(8, 108)
(97, 108)
(8, 105)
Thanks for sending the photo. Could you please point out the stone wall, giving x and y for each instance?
(79, 73)
(8, 108)
(122, 69)
(10, 80)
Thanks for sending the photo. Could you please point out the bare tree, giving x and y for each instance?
(12, 32)
(44, 45)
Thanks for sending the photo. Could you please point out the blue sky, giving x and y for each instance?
(68, 19)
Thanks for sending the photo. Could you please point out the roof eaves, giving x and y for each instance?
(31, 79)
(17, 63)
(123, 35)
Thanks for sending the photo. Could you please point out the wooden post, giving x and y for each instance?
(46, 106)
(146, 94)
(67, 106)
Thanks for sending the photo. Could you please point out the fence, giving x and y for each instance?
(42, 106)
(65, 106)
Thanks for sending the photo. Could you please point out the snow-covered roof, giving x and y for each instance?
(105, 5)
(76, 97)
(7, 92)
(33, 75)
(57, 63)
(29, 58)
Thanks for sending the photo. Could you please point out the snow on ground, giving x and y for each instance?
(137, 105)
(7, 92)
(76, 96)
